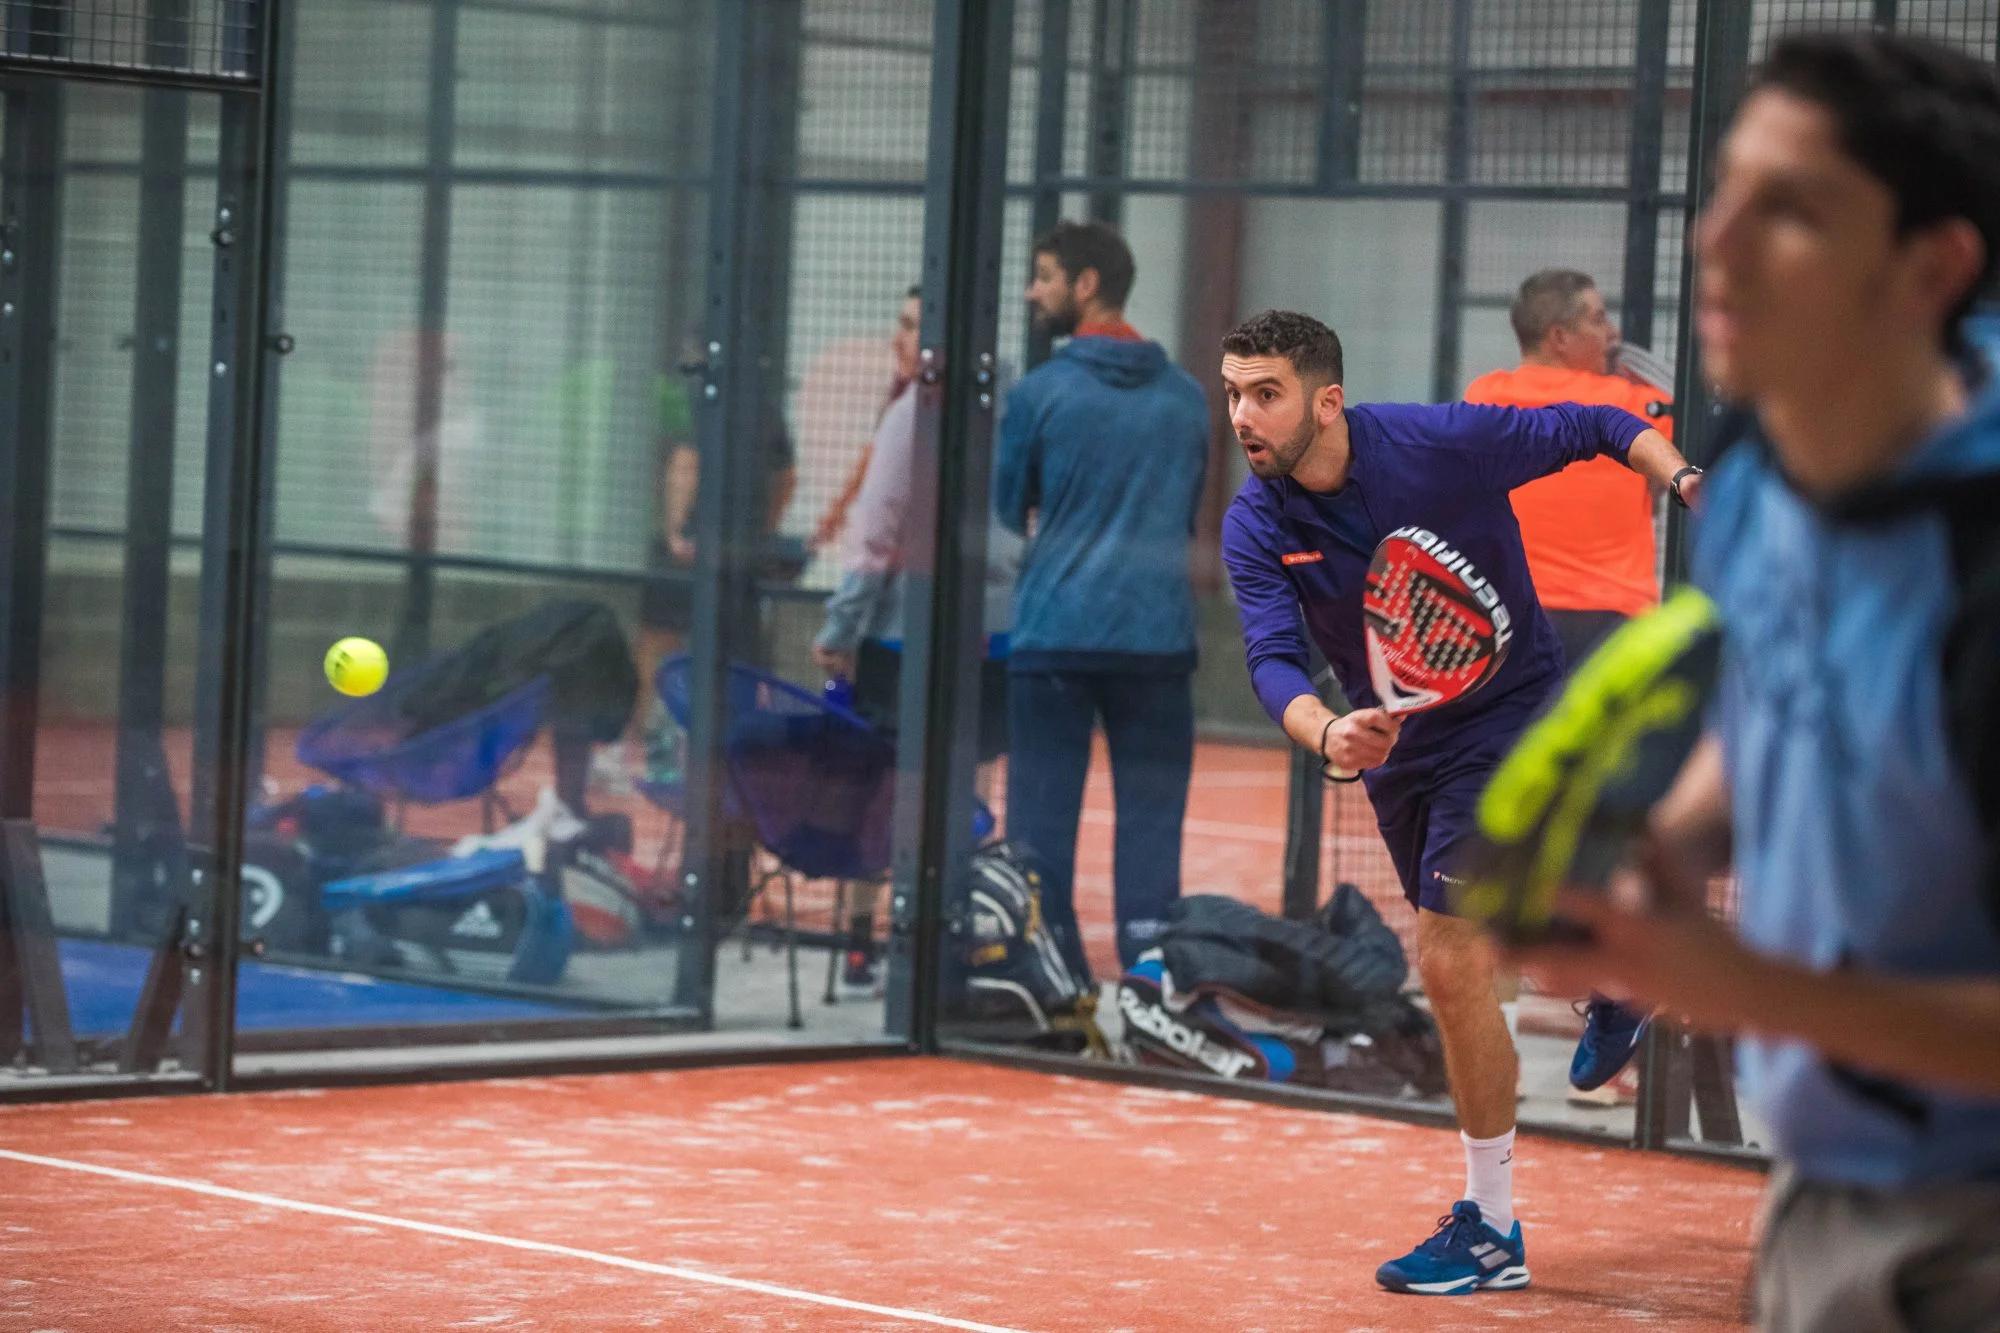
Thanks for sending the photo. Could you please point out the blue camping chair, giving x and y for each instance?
(814, 782)
(812, 779)
(373, 744)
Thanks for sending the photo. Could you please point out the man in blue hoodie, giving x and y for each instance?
(1328, 481)
(1102, 451)
(1852, 771)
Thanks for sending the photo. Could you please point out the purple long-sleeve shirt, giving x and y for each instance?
(1298, 561)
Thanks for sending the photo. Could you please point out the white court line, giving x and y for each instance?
(509, 1242)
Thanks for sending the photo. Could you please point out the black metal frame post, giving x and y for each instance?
(956, 389)
(1051, 106)
(1343, 48)
(31, 978)
(30, 205)
(146, 829)
(1306, 808)
(1305, 829)
(31, 194)
(681, 212)
(413, 630)
(1342, 75)
(234, 487)
(275, 344)
(1113, 43)
(1642, 170)
(1721, 63)
(1447, 350)
(741, 402)
(1221, 129)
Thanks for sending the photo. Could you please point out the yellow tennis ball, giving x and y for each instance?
(357, 666)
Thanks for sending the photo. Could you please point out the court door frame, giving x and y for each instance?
(184, 856)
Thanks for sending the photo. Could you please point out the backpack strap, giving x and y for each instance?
(1970, 506)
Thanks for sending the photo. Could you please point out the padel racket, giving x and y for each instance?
(1435, 629)
(1564, 806)
(1643, 365)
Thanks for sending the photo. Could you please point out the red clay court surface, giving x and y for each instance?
(881, 1195)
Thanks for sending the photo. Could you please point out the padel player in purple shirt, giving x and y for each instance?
(1327, 483)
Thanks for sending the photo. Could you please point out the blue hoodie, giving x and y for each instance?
(1107, 443)
(1857, 838)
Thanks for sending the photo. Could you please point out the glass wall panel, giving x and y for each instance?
(529, 376)
(110, 205)
(1396, 172)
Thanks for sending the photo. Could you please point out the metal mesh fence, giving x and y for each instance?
(553, 215)
(212, 38)
(1406, 84)
(572, 170)
(98, 341)
(865, 93)
(857, 242)
(1973, 26)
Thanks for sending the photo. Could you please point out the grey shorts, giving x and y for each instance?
(1844, 1259)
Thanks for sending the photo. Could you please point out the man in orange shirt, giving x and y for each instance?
(1588, 531)
(1589, 528)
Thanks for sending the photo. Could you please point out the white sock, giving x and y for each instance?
(1511, 1011)
(1489, 1178)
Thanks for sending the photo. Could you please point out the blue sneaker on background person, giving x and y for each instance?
(1465, 1254)
(1611, 1032)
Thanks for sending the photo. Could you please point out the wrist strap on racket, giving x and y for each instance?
(1326, 768)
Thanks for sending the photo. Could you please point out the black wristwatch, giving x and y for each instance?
(1674, 485)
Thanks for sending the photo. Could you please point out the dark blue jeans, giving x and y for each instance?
(1149, 726)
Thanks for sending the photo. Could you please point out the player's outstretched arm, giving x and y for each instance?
(1653, 456)
(1508, 447)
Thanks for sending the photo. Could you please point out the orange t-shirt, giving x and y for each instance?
(1588, 528)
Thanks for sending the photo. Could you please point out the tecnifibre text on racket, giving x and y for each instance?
(1564, 806)
(1436, 630)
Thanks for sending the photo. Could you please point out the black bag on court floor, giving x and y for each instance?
(1239, 993)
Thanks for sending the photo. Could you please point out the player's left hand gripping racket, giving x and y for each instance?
(1436, 630)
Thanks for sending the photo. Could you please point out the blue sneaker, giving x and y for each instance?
(1464, 1255)
(1611, 1032)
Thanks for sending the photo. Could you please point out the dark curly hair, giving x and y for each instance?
(1311, 347)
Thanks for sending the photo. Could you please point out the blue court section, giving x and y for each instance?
(103, 981)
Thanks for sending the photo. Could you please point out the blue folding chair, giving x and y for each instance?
(815, 782)
(374, 744)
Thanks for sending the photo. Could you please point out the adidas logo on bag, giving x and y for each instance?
(478, 922)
